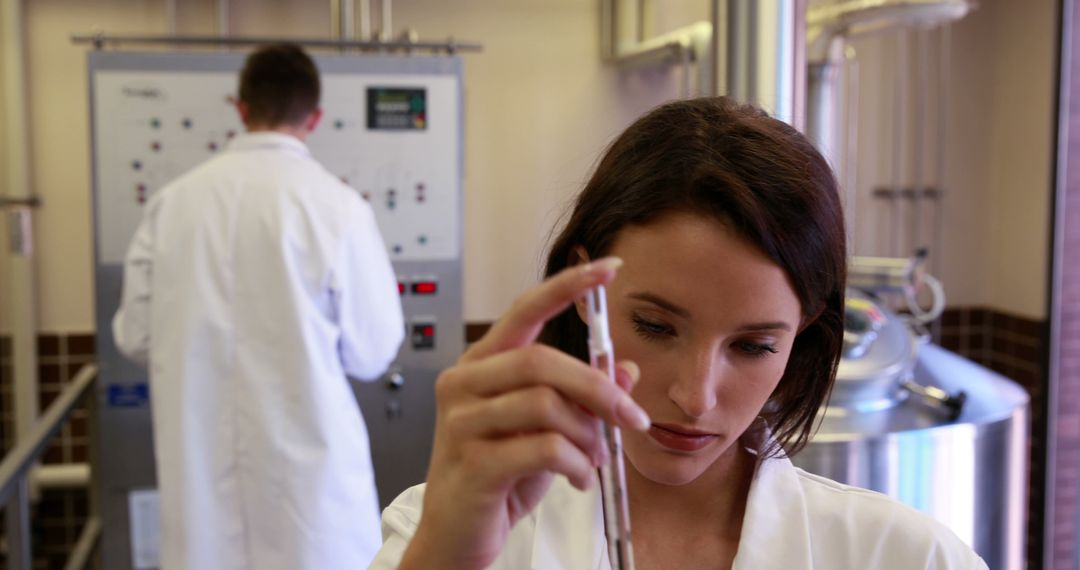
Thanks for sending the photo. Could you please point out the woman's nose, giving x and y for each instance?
(694, 390)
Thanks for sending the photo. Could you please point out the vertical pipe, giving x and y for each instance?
(797, 21)
(750, 42)
(223, 22)
(851, 142)
(20, 294)
(342, 20)
(899, 140)
(755, 54)
(385, 11)
(170, 17)
(736, 52)
(717, 62)
(348, 20)
(687, 71)
(918, 182)
(823, 92)
(608, 15)
(335, 19)
(17, 521)
(363, 19)
(644, 20)
(944, 80)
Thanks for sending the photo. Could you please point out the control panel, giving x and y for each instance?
(391, 129)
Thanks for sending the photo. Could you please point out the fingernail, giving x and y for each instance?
(632, 371)
(628, 412)
(604, 265)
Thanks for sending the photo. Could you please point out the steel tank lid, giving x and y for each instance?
(879, 353)
(991, 399)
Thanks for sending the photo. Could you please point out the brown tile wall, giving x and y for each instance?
(58, 517)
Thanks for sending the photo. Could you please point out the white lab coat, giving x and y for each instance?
(793, 521)
(254, 284)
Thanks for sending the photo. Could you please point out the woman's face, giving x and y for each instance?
(710, 319)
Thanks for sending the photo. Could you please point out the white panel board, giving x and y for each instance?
(151, 127)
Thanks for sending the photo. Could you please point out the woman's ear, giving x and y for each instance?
(578, 256)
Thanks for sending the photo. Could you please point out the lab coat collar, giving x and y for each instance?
(267, 140)
(565, 508)
(775, 531)
(776, 526)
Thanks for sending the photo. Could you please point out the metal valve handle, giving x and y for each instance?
(952, 404)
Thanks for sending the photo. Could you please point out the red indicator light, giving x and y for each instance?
(400, 288)
(428, 331)
(425, 288)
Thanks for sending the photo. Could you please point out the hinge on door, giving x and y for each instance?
(20, 228)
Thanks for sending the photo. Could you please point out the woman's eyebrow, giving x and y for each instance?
(662, 303)
(684, 313)
(765, 327)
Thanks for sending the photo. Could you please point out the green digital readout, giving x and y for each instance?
(393, 108)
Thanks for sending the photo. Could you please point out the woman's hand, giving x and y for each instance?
(511, 415)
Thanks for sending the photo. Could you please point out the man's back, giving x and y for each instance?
(268, 284)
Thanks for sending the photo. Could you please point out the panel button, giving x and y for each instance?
(423, 336)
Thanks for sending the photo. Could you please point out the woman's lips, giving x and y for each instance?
(680, 438)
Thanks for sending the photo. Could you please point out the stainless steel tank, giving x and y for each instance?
(930, 428)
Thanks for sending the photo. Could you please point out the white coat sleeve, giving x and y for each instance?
(131, 324)
(399, 522)
(368, 303)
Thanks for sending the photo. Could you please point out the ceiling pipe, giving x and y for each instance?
(828, 28)
(759, 55)
(752, 50)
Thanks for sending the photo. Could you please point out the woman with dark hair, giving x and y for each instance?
(719, 234)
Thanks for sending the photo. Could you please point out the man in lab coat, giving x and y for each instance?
(254, 284)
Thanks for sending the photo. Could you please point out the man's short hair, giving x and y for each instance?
(280, 85)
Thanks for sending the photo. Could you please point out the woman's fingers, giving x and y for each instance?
(538, 365)
(532, 410)
(498, 461)
(522, 323)
(627, 374)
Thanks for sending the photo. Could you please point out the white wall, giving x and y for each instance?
(540, 106)
(1021, 155)
(996, 154)
(60, 146)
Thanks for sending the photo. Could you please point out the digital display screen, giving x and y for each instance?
(396, 109)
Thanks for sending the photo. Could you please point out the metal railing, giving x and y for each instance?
(15, 472)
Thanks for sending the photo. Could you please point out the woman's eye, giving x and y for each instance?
(651, 330)
(756, 349)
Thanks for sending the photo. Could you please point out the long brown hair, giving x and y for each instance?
(732, 162)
